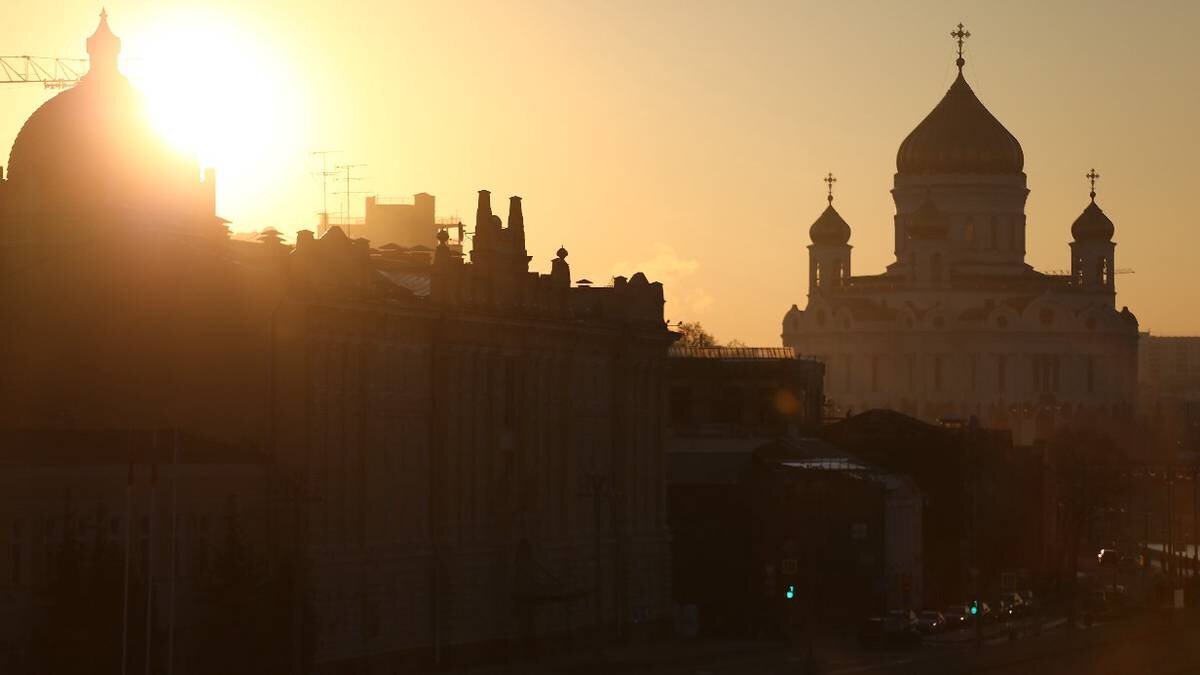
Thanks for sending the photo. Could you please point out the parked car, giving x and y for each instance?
(957, 616)
(907, 616)
(888, 632)
(1012, 605)
(930, 622)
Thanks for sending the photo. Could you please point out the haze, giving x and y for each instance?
(685, 140)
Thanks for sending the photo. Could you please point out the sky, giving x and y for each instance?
(686, 140)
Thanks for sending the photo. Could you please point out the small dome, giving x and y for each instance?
(928, 221)
(562, 252)
(1092, 225)
(960, 136)
(830, 229)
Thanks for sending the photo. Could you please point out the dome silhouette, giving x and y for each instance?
(960, 136)
(92, 148)
(1092, 225)
(829, 229)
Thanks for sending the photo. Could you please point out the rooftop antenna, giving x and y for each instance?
(325, 173)
(346, 170)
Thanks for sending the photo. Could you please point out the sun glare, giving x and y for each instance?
(221, 94)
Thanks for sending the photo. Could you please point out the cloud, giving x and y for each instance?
(685, 300)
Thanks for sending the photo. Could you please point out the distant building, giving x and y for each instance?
(396, 224)
(472, 454)
(960, 325)
(1169, 391)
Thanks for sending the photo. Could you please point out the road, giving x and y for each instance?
(1161, 642)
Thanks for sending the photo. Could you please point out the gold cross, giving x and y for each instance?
(1092, 176)
(960, 36)
(829, 181)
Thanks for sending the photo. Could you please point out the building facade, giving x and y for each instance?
(472, 452)
(960, 325)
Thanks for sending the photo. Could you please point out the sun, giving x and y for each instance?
(219, 92)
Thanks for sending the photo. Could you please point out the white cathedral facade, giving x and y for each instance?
(960, 325)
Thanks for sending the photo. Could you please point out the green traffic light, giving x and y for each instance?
(974, 608)
(791, 592)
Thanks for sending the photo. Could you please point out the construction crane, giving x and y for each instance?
(50, 72)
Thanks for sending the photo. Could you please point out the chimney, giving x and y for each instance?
(516, 219)
(483, 214)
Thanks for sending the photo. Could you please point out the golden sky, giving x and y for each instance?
(683, 139)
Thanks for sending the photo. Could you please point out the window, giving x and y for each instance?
(817, 274)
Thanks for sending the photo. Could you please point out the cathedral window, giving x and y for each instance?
(1105, 272)
(817, 274)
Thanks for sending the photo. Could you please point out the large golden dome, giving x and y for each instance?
(960, 136)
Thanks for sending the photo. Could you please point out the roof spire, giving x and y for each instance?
(960, 35)
(103, 48)
(1092, 176)
(829, 181)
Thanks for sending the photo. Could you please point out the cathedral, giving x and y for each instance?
(960, 325)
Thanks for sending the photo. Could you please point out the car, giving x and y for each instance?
(891, 631)
(957, 616)
(1012, 605)
(930, 622)
(907, 616)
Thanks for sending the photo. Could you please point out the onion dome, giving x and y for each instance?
(830, 229)
(1092, 225)
(928, 221)
(562, 252)
(960, 136)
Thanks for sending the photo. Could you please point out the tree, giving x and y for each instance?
(694, 335)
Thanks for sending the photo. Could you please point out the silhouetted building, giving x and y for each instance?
(985, 502)
(464, 454)
(397, 224)
(960, 325)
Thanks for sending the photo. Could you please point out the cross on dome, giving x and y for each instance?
(1092, 176)
(960, 35)
(829, 180)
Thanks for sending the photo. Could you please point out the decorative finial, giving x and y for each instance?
(103, 12)
(829, 181)
(960, 35)
(1092, 176)
(442, 236)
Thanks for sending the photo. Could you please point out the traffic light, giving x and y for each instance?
(974, 608)
(790, 593)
